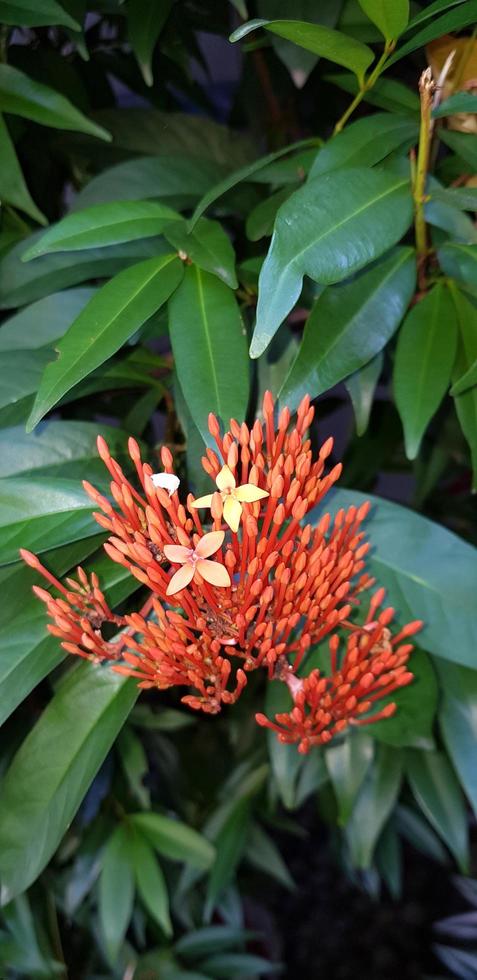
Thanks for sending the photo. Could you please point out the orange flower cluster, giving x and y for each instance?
(256, 586)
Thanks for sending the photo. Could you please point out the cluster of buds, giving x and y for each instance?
(239, 580)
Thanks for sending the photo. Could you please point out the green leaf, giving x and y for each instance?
(466, 403)
(411, 558)
(22, 282)
(323, 41)
(374, 803)
(13, 189)
(35, 13)
(57, 512)
(391, 16)
(228, 966)
(453, 20)
(458, 722)
(329, 229)
(230, 845)
(361, 386)
(464, 144)
(428, 12)
(209, 346)
(386, 93)
(263, 853)
(54, 767)
(464, 198)
(350, 324)
(389, 860)
(104, 224)
(298, 61)
(24, 96)
(438, 794)
(208, 246)
(150, 883)
(116, 891)
(174, 839)
(285, 760)
(415, 829)
(110, 318)
(145, 23)
(348, 762)
(460, 102)
(261, 218)
(210, 939)
(135, 765)
(416, 708)
(41, 323)
(59, 449)
(20, 373)
(365, 142)
(425, 356)
(459, 261)
(468, 380)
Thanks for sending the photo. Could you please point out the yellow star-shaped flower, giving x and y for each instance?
(232, 496)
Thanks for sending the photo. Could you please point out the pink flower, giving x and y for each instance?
(196, 560)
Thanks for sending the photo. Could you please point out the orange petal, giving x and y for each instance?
(248, 494)
(203, 501)
(181, 579)
(225, 479)
(232, 513)
(210, 543)
(213, 572)
(177, 553)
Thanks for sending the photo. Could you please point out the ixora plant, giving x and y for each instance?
(257, 590)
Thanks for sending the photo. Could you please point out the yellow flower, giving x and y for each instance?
(233, 497)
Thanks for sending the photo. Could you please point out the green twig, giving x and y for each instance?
(426, 92)
(365, 86)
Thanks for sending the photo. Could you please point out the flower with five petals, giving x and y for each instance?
(232, 496)
(196, 560)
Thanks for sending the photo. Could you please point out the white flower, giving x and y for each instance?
(168, 481)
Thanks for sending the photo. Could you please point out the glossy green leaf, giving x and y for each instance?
(41, 323)
(438, 794)
(424, 361)
(468, 380)
(458, 722)
(389, 860)
(23, 96)
(104, 224)
(445, 215)
(13, 189)
(348, 762)
(391, 16)
(453, 20)
(20, 373)
(58, 449)
(411, 558)
(426, 13)
(373, 805)
(464, 198)
(111, 317)
(174, 839)
(459, 261)
(24, 282)
(323, 41)
(365, 142)
(416, 708)
(298, 61)
(361, 386)
(54, 767)
(145, 23)
(55, 513)
(230, 845)
(350, 324)
(150, 882)
(208, 246)
(466, 403)
(261, 218)
(460, 102)
(464, 144)
(209, 346)
(328, 230)
(35, 13)
(116, 891)
(415, 829)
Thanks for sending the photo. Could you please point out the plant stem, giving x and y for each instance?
(366, 85)
(426, 92)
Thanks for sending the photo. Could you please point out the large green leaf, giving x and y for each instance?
(46, 515)
(104, 224)
(453, 20)
(438, 793)
(24, 96)
(323, 41)
(145, 23)
(361, 387)
(429, 574)
(458, 722)
(350, 324)
(22, 282)
(391, 16)
(365, 142)
(466, 402)
(41, 323)
(35, 13)
(207, 245)
(424, 360)
(459, 261)
(20, 373)
(116, 890)
(13, 189)
(329, 229)
(374, 803)
(298, 61)
(464, 144)
(174, 839)
(166, 176)
(59, 449)
(111, 317)
(209, 346)
(426, 13)
(54, 767)
(347, 763)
